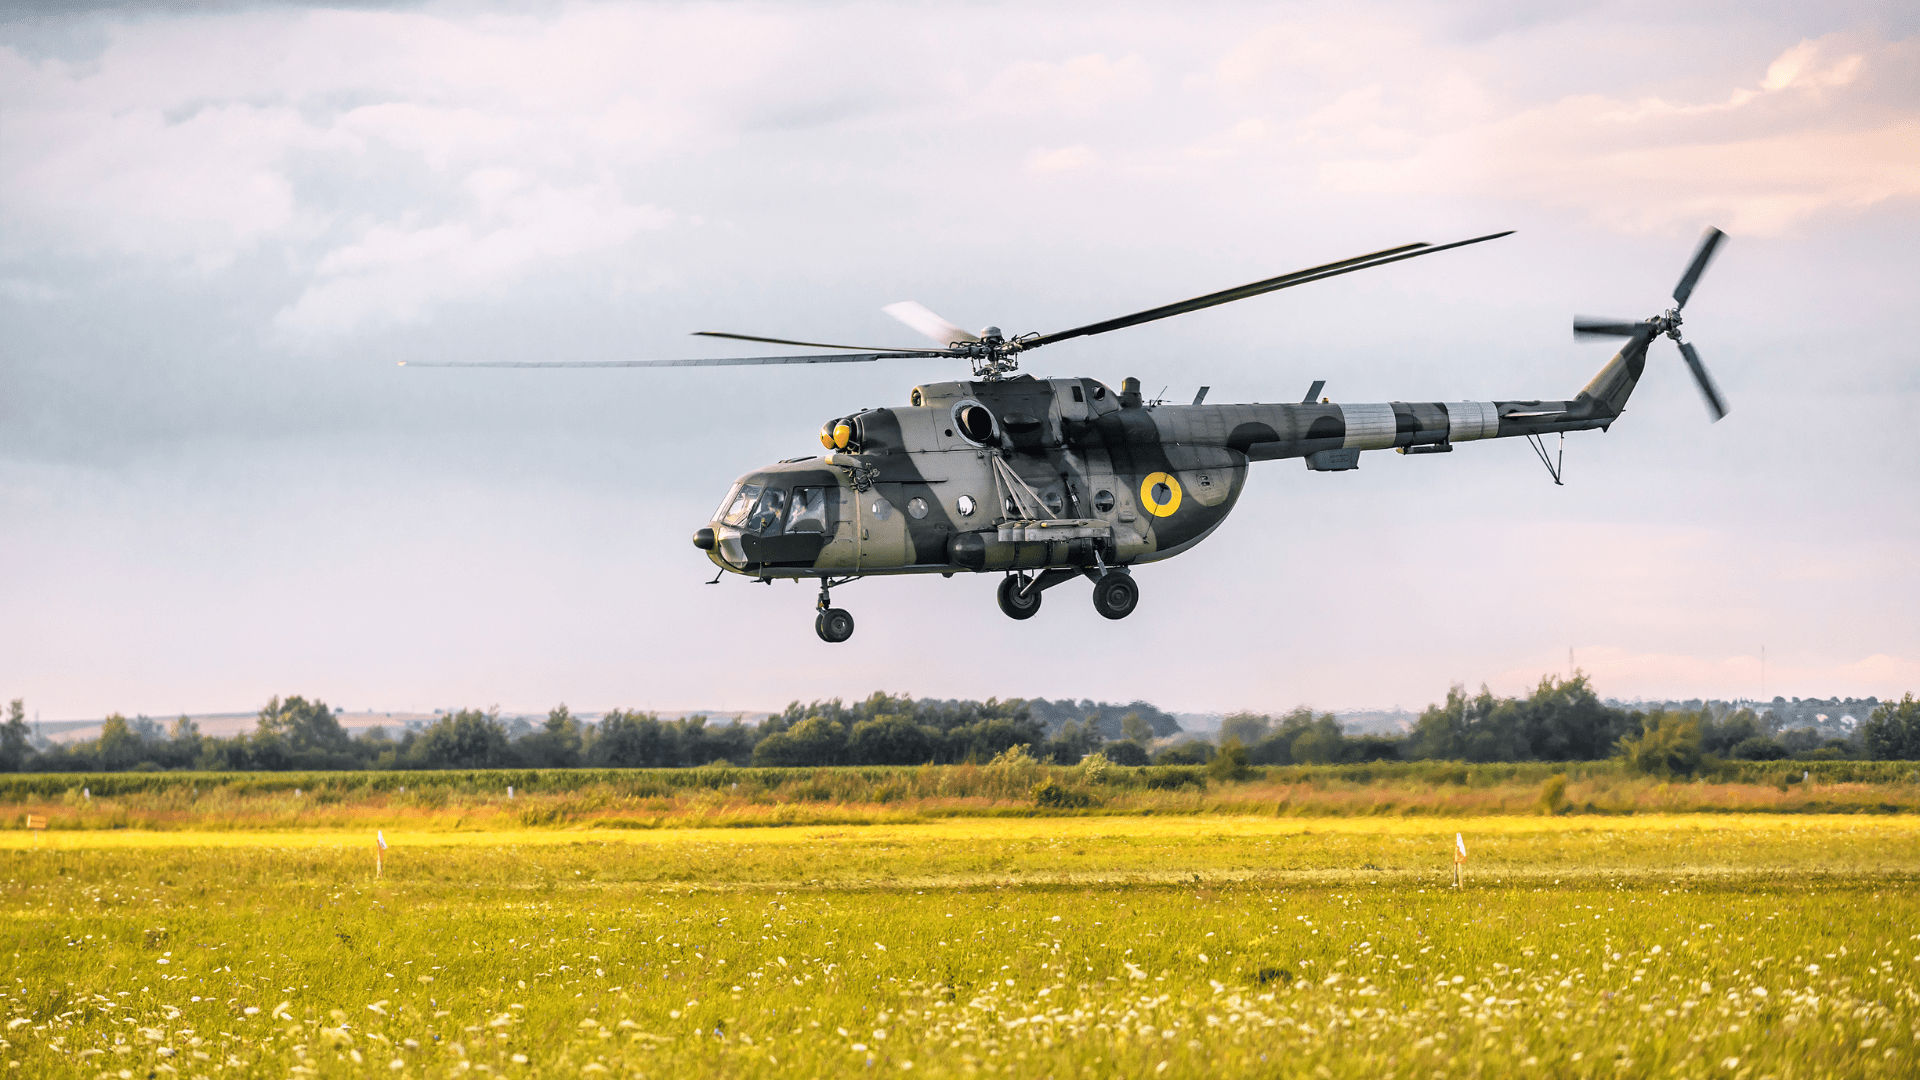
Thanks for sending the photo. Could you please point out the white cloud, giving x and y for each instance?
(396, 272)
(1065, 159)
(1815, 134)
(1078, 87)
(198, 191)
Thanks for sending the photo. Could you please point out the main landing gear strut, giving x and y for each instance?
(1114, 592)
(834, 625)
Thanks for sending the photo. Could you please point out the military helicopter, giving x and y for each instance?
(1047, 480)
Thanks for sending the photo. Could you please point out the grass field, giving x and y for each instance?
(505, 799)
(1168, 946)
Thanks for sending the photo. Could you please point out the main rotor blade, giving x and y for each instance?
(706, 361)
(1716, 404)
(1709, 242)
(1284, 281)
(918, 317)
(1595, 326)
(814, 344)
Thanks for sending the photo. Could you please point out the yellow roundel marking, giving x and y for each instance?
(1160, 494)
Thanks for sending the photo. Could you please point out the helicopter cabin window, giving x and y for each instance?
(1103, 501)
(740, 504)
(766, 517)
(809, 510)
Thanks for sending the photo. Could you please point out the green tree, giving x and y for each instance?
(1760, 748)
(1246, 727)
(1668, 745)
(813, 741)
(1722, 737)
(303, 726)
(16, 740)
(466, 739)
(1231, 762)
(118, 747)
(1320, 744)
(1136, 729)
(1561, 720)
(890, 740)
(1892, 731)
(1191, 752)
(557, 744)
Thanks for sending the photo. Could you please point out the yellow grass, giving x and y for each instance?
(998, 828)
(1700, 946)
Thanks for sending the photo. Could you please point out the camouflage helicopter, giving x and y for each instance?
(1047, 480)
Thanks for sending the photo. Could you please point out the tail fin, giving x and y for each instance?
(1606, 396)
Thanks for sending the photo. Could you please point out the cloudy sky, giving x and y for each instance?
(221, 224)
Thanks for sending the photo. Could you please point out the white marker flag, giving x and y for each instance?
(1460, 848)
(381, 837)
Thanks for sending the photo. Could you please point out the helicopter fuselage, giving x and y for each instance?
(1066, 476)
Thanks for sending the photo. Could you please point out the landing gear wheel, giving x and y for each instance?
(1018, 604)
(834, 625)
(1115, 594)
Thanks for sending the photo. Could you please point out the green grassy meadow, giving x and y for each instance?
(1167, 946)
(724, 796)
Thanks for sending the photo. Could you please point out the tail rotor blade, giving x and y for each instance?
(935, 327)
(1596, 326)
(1716, 404)
(1701, 257)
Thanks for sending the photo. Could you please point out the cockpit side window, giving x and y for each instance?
(744, 496)
(809, 512)
(766, 516)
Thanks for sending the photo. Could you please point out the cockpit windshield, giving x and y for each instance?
(740, 504)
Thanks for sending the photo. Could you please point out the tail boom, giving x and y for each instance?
(1275, 432)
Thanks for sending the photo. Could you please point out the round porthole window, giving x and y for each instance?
(917, 507)
(965, 505)
(1103, 501)
(882, 509)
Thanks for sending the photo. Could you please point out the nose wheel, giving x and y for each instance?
(834, 625)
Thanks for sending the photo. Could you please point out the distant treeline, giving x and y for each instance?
(295, 733)
(1561, 720)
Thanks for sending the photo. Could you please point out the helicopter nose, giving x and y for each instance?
(703, 539)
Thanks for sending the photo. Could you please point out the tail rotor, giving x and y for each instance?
(1668, 323)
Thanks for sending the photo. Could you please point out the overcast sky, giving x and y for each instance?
(222, 223)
